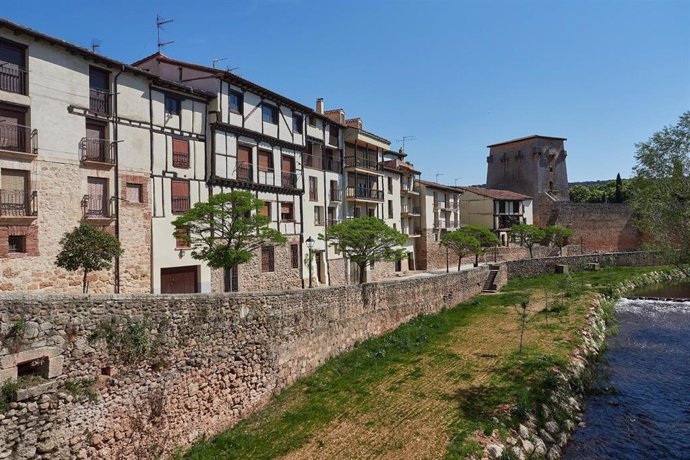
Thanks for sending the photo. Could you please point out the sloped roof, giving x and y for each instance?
(496, 194)
(439, 186)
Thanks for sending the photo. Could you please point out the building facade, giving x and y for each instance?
(497, 210)
(440, 214)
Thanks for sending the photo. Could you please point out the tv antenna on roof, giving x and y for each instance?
(438, 174)
(95, 44)
(217, 60)
(456, 180)
(159, 25)
(406, 139)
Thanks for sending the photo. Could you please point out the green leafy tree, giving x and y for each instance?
(527, 236)
(87, 248)
(461, 244)
(661, 195)
(225, 231)
(487, 239)
(365, 240)
(557, 236)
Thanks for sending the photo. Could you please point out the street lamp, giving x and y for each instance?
(310, 245)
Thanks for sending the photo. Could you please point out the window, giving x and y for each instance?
(97, 201)
(245, 171)
(516, 207)
(390, 185)
(15, 197)
(356, 212)
(12, 72)
(267, 259)
(16, 244)
(173, 105)
(134, 193)
(180, 196)
(13, 134)
(501, 207)
(96, 146)
(180, 241)
(265, 210)
(313, 188)
(371, 212)
(180, 153)
(333, 131)
(318, 215)
(294, 255)
(236, 102)
(269, 113)
(99, 81)
(390, 209)
(298, 123)
(265, 160)
(312, 121)
(287, 211)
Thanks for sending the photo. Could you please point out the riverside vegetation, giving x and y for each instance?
(435, 387)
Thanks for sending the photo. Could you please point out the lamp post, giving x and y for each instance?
(310, 245)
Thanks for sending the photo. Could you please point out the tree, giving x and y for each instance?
(461, 244)
(526, 235)
(87, 248)
(486, 239)
(661, 194)
(225, 231)
(619, 189)
(365, 240)
(557, 236)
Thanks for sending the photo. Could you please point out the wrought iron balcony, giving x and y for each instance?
(96, 150)
(507, 221)
(335, 195)
(332, 165)
(407, 188)
(180, 159)
(180, 204)
(322, 163)
(288, 179)
(363, 163)
(98, 207)
(364, 193)
(412, 210)
(245, 172)
(99, 101)
(12, 78)
(18, 203)
(17, 138)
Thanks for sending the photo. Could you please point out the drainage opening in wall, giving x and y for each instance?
(33, 368)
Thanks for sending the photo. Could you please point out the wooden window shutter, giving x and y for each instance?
(265, 160)
(244, 154)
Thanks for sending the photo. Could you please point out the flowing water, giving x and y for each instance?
(642, 408)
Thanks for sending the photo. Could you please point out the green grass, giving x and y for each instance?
(414, 353)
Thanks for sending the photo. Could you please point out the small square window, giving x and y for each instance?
(16, 243)
(134, 193)
(270, 113)
(298, 123)
(181, 234)
(236, 102)
(312, 121)
(173, 105)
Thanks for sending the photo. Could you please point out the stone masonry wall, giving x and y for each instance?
(134, 376)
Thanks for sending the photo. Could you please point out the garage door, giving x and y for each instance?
(179, 280)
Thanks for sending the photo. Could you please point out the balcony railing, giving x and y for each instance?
(365, 193)
(331, 222)
(330, 164)
(180, 159)
(180, 204)
(407, 209)
(266, 176)
(406, 188)
(412, 231)
(323, 163)
(333, 140)
(98, 206)
(12, 78)
(18, 203)
(99, 150)
(288, 179)
(507, 221)
(245, 172)
(362, 162)
(335, 195)
(440, 223)
(17, 138)
(99, 101)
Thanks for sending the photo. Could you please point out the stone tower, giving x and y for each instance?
(534, 166)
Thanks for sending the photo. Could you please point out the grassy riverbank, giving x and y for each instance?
(427, 388)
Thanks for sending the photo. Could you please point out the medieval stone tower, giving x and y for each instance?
(534, 166)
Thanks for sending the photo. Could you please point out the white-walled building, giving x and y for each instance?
(497, 210)
(255, 140)
(75, 145)
(440, 214)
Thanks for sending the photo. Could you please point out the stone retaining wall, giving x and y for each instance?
(133, 376)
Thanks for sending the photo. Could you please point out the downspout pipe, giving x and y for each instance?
(116, 145)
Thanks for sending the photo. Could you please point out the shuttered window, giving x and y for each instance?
(97, 201)
(287, 211)
(180, 196)
(265, 158)
(180, 234)
(267, 260)
(180, 153)
(265, 210)
(294, 255)
(313, 188)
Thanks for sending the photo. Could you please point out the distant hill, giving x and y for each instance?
(588, 183)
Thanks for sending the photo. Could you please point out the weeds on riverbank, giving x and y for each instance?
(431, 384)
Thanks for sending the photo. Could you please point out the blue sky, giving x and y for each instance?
(458, 75)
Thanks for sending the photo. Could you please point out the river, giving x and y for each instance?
(642, 408)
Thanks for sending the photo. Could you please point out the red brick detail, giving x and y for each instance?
(30, 232)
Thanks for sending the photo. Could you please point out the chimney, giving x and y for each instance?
(319, 105)
(354, 123)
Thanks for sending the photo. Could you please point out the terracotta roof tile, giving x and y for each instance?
(496, 194)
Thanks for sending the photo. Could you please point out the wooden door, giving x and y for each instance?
(13, 135)
(179, 280)
(95, 142)
(244, 163)
(97, 204)
(14, 197)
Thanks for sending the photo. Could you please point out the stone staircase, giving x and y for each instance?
(490, 283)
